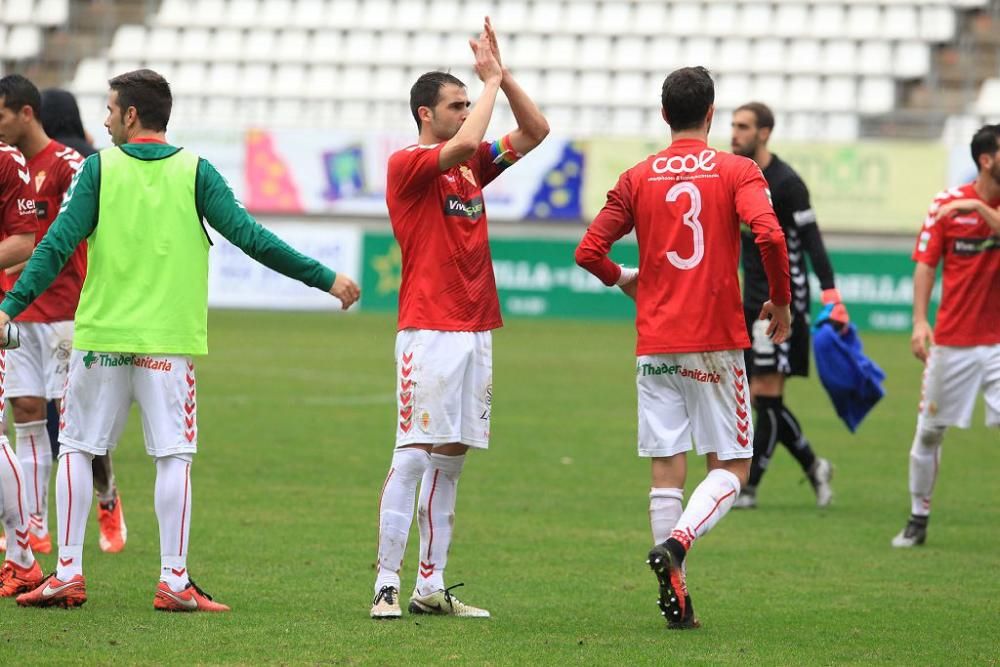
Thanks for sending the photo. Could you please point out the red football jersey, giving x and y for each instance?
(52, 171)
(686, 203)
(970, 308)
(439, 220)
(17, 194)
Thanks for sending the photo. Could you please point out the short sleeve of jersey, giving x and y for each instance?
(17, 194)
(930, 241)
(412, 169)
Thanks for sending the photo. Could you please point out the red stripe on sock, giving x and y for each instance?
(378, 521)
(17, 479)
(69, 512)
(698, 527)
(430, 513)
(187, 475)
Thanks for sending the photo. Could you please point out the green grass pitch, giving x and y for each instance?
(296, 415)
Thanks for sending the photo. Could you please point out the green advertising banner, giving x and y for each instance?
(539, 278)
(874, 186)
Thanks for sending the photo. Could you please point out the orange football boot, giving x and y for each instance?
(114, 533)
(191, 598)
(52, 592)
(15, 579)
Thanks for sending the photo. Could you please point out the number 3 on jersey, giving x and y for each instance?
(692, 221)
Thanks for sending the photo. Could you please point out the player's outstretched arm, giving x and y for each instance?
(532, 128)
(466, 141)
(923, 335)
(228, 216)
(988, 213)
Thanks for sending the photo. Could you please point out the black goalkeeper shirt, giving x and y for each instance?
(790, 198)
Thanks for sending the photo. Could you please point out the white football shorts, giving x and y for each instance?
(100, 390)
(953, 377)
(444, 387)
(700, 399)
(39, 366)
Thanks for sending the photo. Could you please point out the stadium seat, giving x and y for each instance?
(23, 42)
(839, 57)
(375, 14)
(545, 15)
(91, 76)
(129, 42)
(321, 81)
(227, 45)
(260, 45)
(650, 18)
(308, 14)
(293, 47)
(580, 18)
(876, 95)
(755, 19)
(685, 19)
(700, 51)
(768, 55)
(523, 50)
(615, 18)
(242, 14)
(560, 51)
(17, 12)
(875, 57)
(864, 22)
(988, 101)
(630, 89)
(720, 19)
(769, 88)
(194, 45)
(791, 20)
(190, 79)
(595, 51)
(900, 22)
(51, 12)
(732, 90)
(162, 42)
(342, 14)
(512, 16)
(827, 21)
(255, 80)
(354, 81)
(734, 55)
(628, 121)
(839, 94)
(803, 92)
(223, 78)
(275, 14)
(326, 47)
(390, 83)
(804, 55)
(289, 81)
(628, 52)
(594, 88)
(937, 23)
(207, 13)
(911, 59)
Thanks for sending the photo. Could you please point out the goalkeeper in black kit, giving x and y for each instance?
(769, 364)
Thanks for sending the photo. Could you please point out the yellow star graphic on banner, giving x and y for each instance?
(390, 270)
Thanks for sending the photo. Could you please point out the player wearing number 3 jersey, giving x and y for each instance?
(685, 204)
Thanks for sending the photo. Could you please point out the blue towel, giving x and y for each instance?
(853, 381)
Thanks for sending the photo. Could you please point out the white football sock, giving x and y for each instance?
(925, 457)
(35, 453)
(665, 508)
(14, 506)
(436, 518)
(172, 499)
(396, 512)
(709, 503)
(74, 495)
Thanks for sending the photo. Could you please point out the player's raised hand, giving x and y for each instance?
(486, 65)
(494, 45)
(780, 321)
(921, 340)
(346, 290)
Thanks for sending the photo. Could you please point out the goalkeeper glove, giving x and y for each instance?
(839, 312)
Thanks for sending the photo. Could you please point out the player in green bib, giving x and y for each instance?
(143, 315)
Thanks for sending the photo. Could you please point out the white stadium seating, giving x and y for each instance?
(596, 66)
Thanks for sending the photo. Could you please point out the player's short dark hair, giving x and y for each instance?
(149, 93)
(687, 94)
(760, 111)
(985, 142)
(426, 92)
(18, 92)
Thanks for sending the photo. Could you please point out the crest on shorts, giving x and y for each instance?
(425, 421)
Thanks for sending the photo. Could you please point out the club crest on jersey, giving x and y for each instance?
(467, 175)
(39, 179)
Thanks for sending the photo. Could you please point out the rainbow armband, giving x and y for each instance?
(503, 153)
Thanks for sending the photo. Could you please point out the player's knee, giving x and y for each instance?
(28, 409)
(927, 437)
